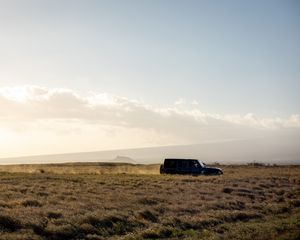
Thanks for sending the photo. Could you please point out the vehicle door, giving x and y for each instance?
(183, 167)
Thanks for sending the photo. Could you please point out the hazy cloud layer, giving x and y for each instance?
(122, 122)
(33, 103)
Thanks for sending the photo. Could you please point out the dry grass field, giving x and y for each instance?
(114, 202)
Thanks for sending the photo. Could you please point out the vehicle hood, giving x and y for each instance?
(213, 168)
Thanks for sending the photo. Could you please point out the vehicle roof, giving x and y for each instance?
(179, 159)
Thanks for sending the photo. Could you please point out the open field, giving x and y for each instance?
(83, 168)
(245, 203)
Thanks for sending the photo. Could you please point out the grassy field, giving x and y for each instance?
(96, 201)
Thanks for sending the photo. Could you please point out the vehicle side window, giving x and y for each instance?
(185, 164)
(194, 164)
(170, 164)
(180, 163)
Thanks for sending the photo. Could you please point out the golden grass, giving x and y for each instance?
(82, 168)
(244, 203)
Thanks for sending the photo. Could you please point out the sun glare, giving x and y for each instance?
(18, 94)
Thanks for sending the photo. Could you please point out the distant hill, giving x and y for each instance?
(283, 150)
(123, 159)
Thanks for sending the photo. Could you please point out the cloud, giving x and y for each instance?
(39, 106)
(35, 103)
(37, 119)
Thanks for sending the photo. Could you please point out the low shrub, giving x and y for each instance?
(9, 224)
(149, 215)
(111, 225)
(227, 190)
(149, 201)
(54, 215)
(31, 203)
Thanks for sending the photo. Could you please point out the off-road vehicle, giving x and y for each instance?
(188, 166)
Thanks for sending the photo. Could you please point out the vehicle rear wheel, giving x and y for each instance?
(161, 170)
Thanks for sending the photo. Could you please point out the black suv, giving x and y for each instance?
(188, 166)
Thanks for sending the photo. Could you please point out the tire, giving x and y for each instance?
(161, 170)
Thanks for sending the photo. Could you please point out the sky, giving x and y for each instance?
(95, 75)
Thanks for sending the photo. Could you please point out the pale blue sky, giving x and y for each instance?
(230, 56)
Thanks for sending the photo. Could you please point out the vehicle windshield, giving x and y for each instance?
(201, 163)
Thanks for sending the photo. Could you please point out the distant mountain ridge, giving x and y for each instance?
(123, 159)
(285, 150)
